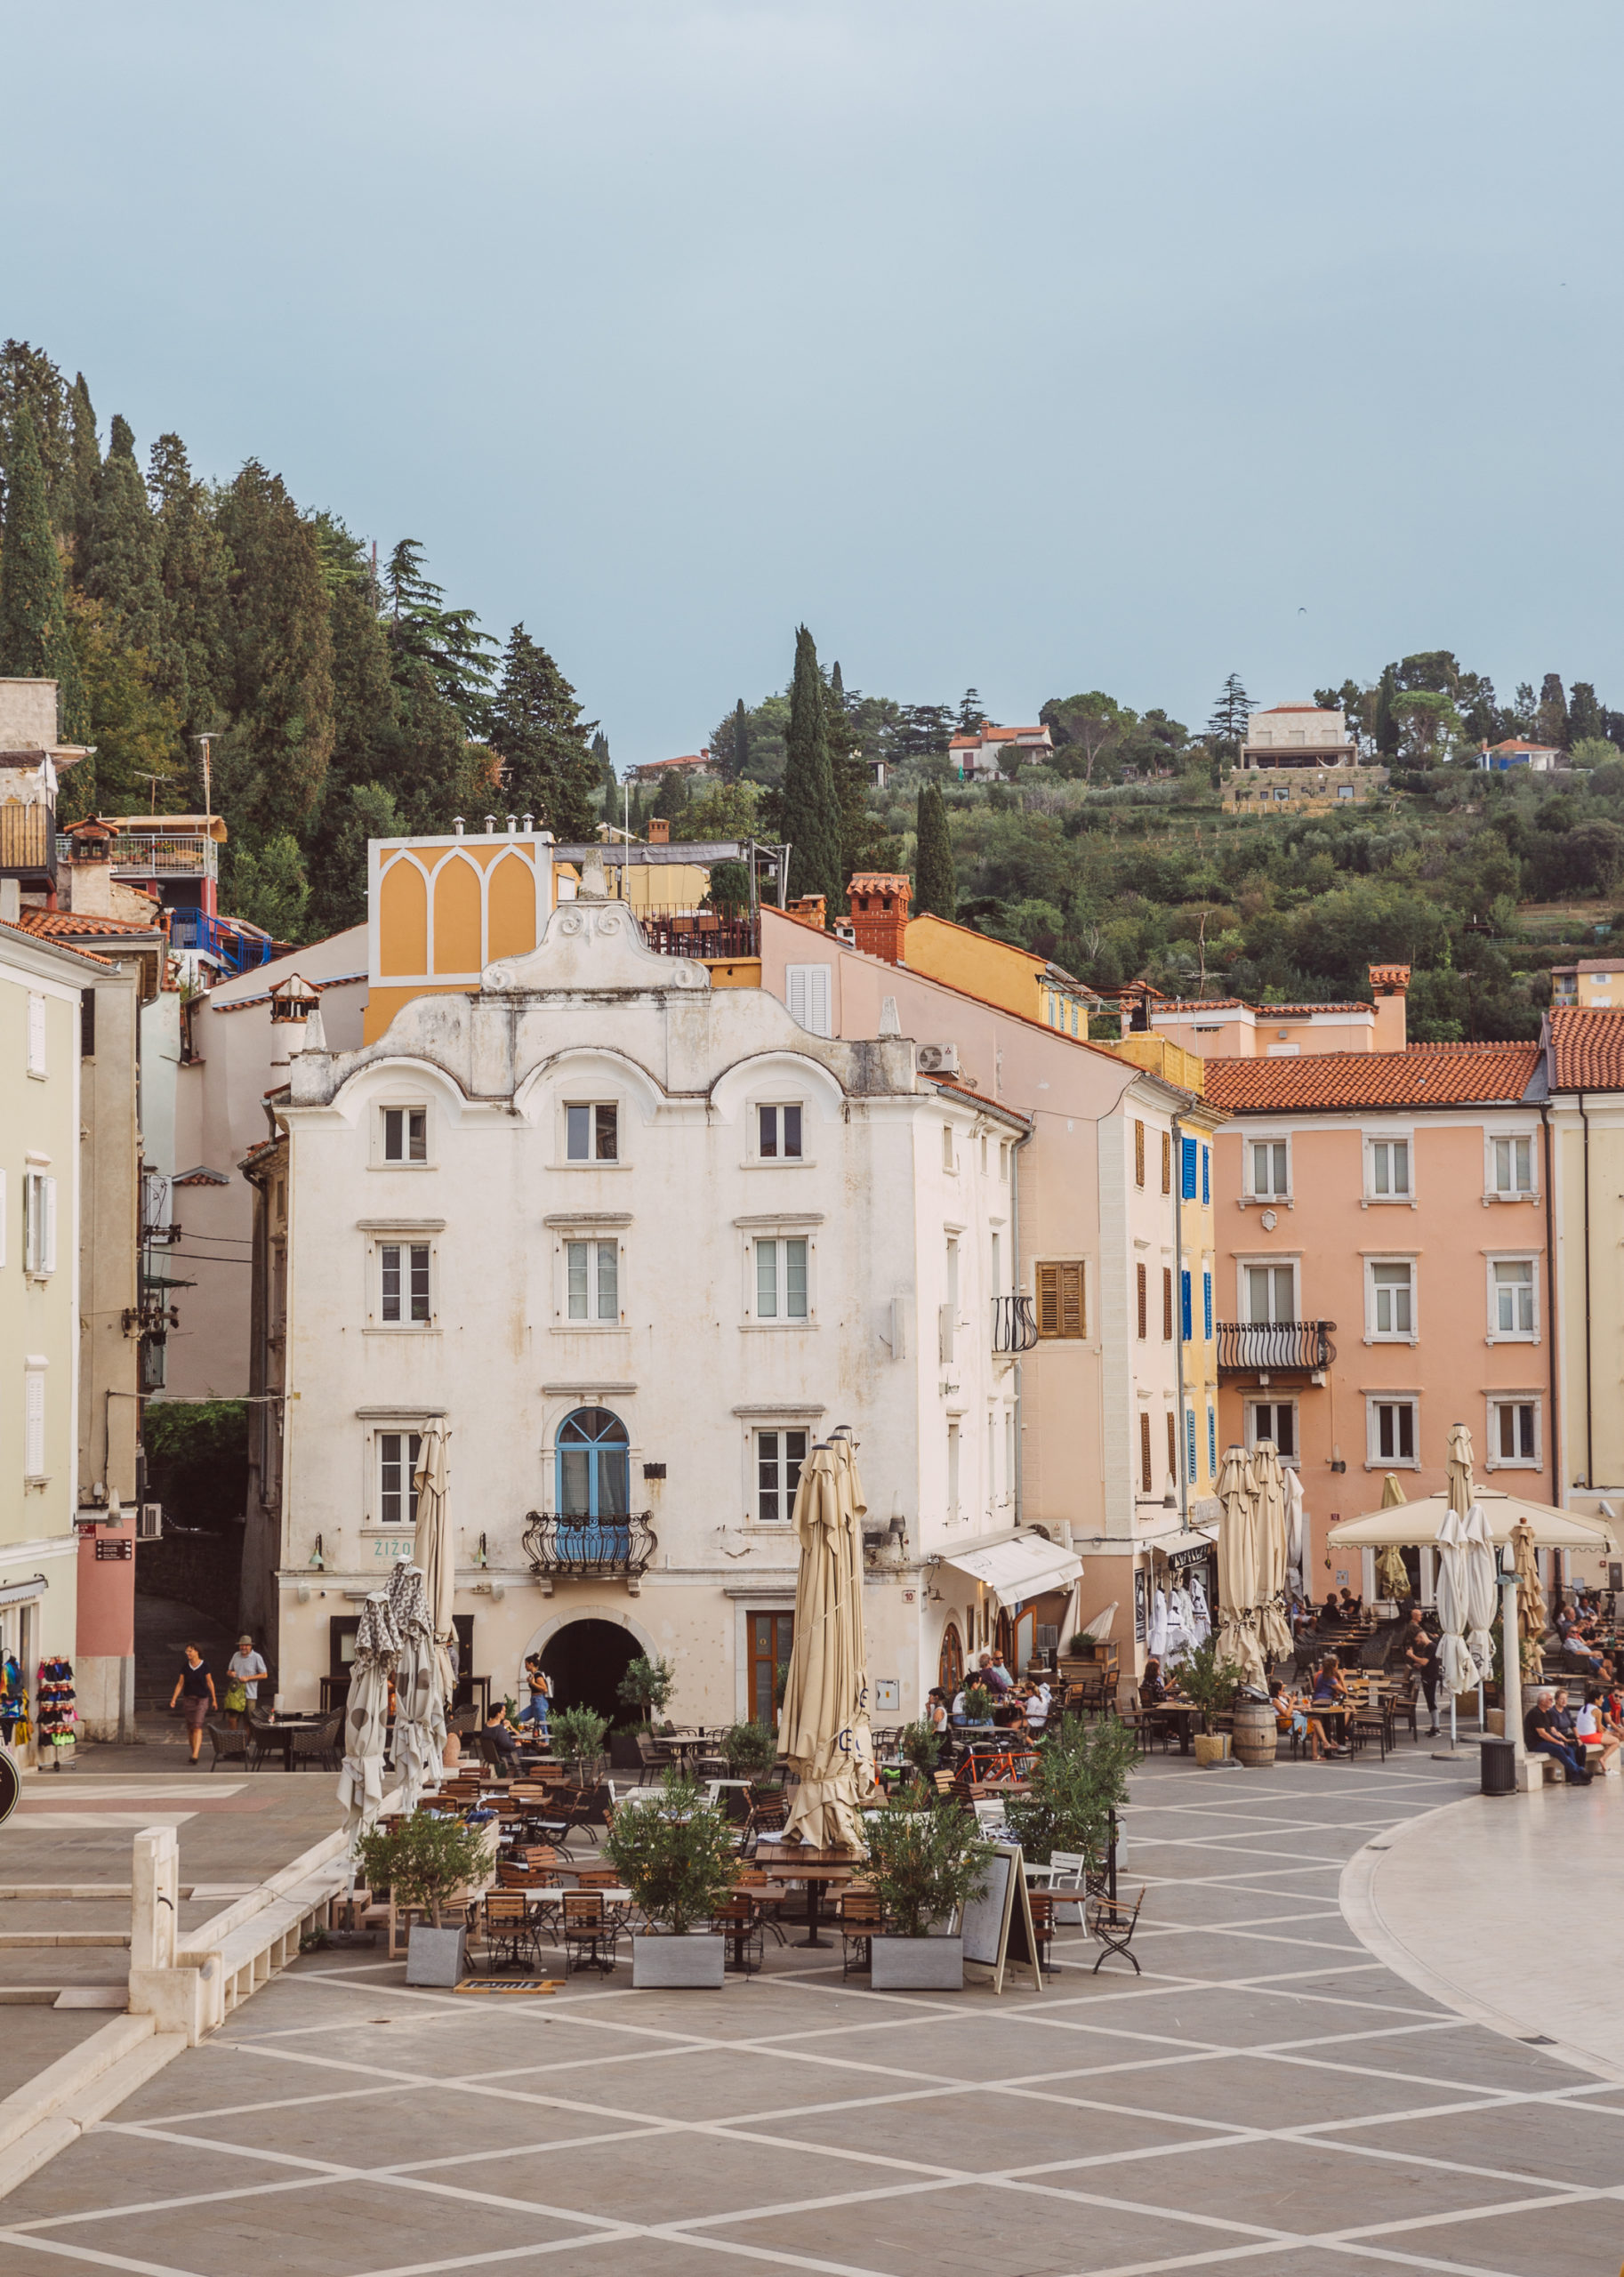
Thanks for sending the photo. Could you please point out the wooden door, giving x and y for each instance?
(770, 1636)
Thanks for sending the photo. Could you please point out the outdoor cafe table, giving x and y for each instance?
(270, 1731)
(794, 1861)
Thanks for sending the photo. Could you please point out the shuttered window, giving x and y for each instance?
(1144, 1479)
(1141, 1280)
(1172, 1446)
(1167, 1162)
(1189, 1435)
(807, 991)
(1187, 1151)
(1061, 1308)
(1167, 1304)
(38, 1223)
(36, 1037)
(33, 1421)
(1139, 1154)
(1183, 1294)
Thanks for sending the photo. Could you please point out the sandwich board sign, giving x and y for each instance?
(998, 1929)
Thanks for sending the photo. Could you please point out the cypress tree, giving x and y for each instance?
(83, 476)
(122, 569)
(544, 744)
(1385, 729)
(606, 775)
(272, 762)
(36, 642)
(1585, 722)
(935, 888)
(741, 743)
(191, 664)
(809, 808)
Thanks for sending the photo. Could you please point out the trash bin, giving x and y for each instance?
(1499, 1766)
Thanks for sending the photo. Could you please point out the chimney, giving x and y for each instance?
(659, 830)
(90, 870)
(810, 909)
(1389, 983)
(879, 901)
(293, 1001)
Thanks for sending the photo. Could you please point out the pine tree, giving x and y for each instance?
(810, 808)
(30, 381)
(191, 664)
(35, 640)
(272, 762)
(1386, 726)
(122, 572)
(1230, 715)
(1585, 722)
(935, 888)
(83, 476)
(546, 747)
(606, 776)
(448, 640)
(969, 712)
(1553, 714)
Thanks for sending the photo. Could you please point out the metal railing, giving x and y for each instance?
(159, 854)
(586, 1547)
(714, 934)
(1274, 1345)
(236, 949)
(1015, 1325)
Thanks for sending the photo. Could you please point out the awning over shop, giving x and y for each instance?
(1015, 1571)
(1416, 1524)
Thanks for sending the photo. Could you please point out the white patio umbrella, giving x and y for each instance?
(1274, 1629)
(824, 1717)
(360, 1785)
(419, 1699)
(1297, 1544)
(434, 1551)
(1483, 1591)
(1238, 1645)
(1456, 1665)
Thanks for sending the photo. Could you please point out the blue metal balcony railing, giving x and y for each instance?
(238, 947)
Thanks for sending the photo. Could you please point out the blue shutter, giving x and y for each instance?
(1189, 1435)
(1206, 1305)
(1212, 1442)
(1188, 1150)
(1206, 1173)
(1189, 1326)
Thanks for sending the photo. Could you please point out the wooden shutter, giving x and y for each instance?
(1145, 1479)
(1140, 1277)
(1139, 1154)
(1173, 1445)
(1166, 1163)
(1167, 1304)
(1061, 1308)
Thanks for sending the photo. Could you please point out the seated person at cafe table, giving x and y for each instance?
(992, 1674)
(1543, 1734)
(1290, 1715)
(1153, 1686)
(502, 1737)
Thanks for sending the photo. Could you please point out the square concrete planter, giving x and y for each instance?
(436, 1956)
(917, 1963)
(693, 1963)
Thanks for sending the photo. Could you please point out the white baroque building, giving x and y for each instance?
(635, 1244)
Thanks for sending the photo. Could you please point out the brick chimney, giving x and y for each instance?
(659, 830)
(879, 901)
(1389, 983)
(810, 910)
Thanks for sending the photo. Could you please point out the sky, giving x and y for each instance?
(1036, 345)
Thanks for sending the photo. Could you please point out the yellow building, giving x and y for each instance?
(40, 986)
(439, 910)
(1015, 979)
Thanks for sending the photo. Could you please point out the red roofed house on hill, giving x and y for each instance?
(977, 753)
(1299, 756)
(693, 767)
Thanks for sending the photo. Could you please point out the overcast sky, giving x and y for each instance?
(1040, 345)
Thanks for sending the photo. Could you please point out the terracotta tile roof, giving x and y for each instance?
(87, 956)
(1426, 1075)
(1595, 964)
(990, 1106)
(1264, 1012)
(1586, 1050)
(1520, 742)
(64, 925)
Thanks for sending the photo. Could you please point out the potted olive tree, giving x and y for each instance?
(647, 1687)
(925, 1866)
(577, 1739)
(675, 1854)
(1210, 1685)
(750, 1750)
(922, 1747)
(1080, 1777)
(978, 1704)
(425, 1861)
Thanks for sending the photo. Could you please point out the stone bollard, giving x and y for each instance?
(176, 1997)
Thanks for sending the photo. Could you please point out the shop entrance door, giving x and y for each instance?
(770, 1636)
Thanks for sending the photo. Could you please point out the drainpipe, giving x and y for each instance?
(1550, 1305)
(1017, 1482)
(1589, 1434)
(1182, 1442)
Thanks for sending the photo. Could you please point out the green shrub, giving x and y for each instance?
(925, 1864)
(921, 1746)
(424, 1860)
(1207, 1683)
(674, 1853)
(647, 1685)
(577, 1737)
(1080, 1777)
(750, 1749)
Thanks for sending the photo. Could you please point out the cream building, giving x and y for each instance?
(40, 992)
(635, 1243)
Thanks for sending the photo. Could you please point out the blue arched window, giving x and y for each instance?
(594, 1468)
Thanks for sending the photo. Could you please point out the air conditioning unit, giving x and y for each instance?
(150, 1522)
(938, 1059)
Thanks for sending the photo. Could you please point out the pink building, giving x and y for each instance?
(1227, 1027)
(1382, 1271)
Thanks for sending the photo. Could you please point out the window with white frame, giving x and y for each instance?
(1512, 1310)
(779, 1133)
(1274, 1420)
(1511, 1168)
(1390, 1300)
(807, 993)
(954, 1453)
(779, 1456)
(591, 1131)
(1387, 1170)
(1392, 1433)
(1513, 1433)
(592, 1281)
(38, 1222)
(1269, 1168)
(1270, 1292)
(403, 1134)
(36, 1034)
(782, 1280)
(397, 1458)
(34, 1419)
(404, 1284)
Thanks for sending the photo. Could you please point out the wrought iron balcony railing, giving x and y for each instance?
(585, 1547)
(1275, 1346)
(1015, 1325)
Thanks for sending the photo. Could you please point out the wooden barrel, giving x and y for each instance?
(1256, 1733)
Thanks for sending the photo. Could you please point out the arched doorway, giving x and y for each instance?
(586, 1660)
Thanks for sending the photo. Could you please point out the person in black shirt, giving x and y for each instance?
(1543, 1734)
(196, 1687)
(1421, 1654)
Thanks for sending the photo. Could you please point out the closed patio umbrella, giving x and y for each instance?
(1455, 1663)
(360, 1786)
(1274, 1629)
(1533, 1619)
(1238, 1645)
(1483, 1591)
(419, 1699)
(434, 1551)
(825, 1718)
(1392, 1574)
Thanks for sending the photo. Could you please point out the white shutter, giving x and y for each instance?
(34, 1423)
(795, 979)
(37, 1034)
(47, 1189)
(806, 992)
